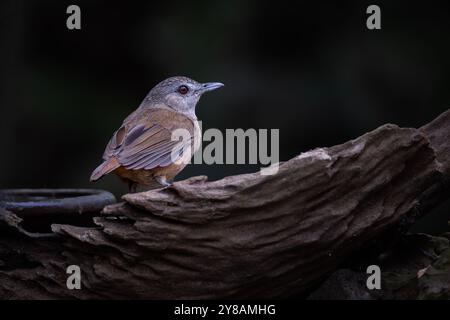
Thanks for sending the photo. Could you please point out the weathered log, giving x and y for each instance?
(418, 267)
(244, 236)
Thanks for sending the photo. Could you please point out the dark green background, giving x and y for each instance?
(311, 69)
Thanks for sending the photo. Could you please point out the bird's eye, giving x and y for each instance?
(183, 89)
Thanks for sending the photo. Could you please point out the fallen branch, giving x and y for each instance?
(243, 236)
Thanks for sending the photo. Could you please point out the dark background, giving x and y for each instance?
(311, 69)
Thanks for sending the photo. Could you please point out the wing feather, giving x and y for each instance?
(150, 149)
(148, 144)
(148, 158)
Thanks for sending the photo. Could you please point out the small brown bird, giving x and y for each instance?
(143, 151)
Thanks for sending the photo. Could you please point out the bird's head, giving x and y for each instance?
(180, 93)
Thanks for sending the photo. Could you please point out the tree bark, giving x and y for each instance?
(244, 236)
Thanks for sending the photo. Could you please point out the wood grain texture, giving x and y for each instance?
(245, 236)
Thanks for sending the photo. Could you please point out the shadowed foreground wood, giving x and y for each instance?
(243, 236)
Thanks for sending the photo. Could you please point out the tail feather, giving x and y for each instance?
(106, 167)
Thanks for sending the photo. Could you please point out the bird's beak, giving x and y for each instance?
(210, 86)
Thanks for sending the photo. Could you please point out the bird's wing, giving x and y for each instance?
(114, 143)
(147, 143)
(117, 139)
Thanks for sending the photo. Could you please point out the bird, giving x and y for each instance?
(145, 152)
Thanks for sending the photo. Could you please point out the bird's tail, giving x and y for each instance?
(106, 167)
